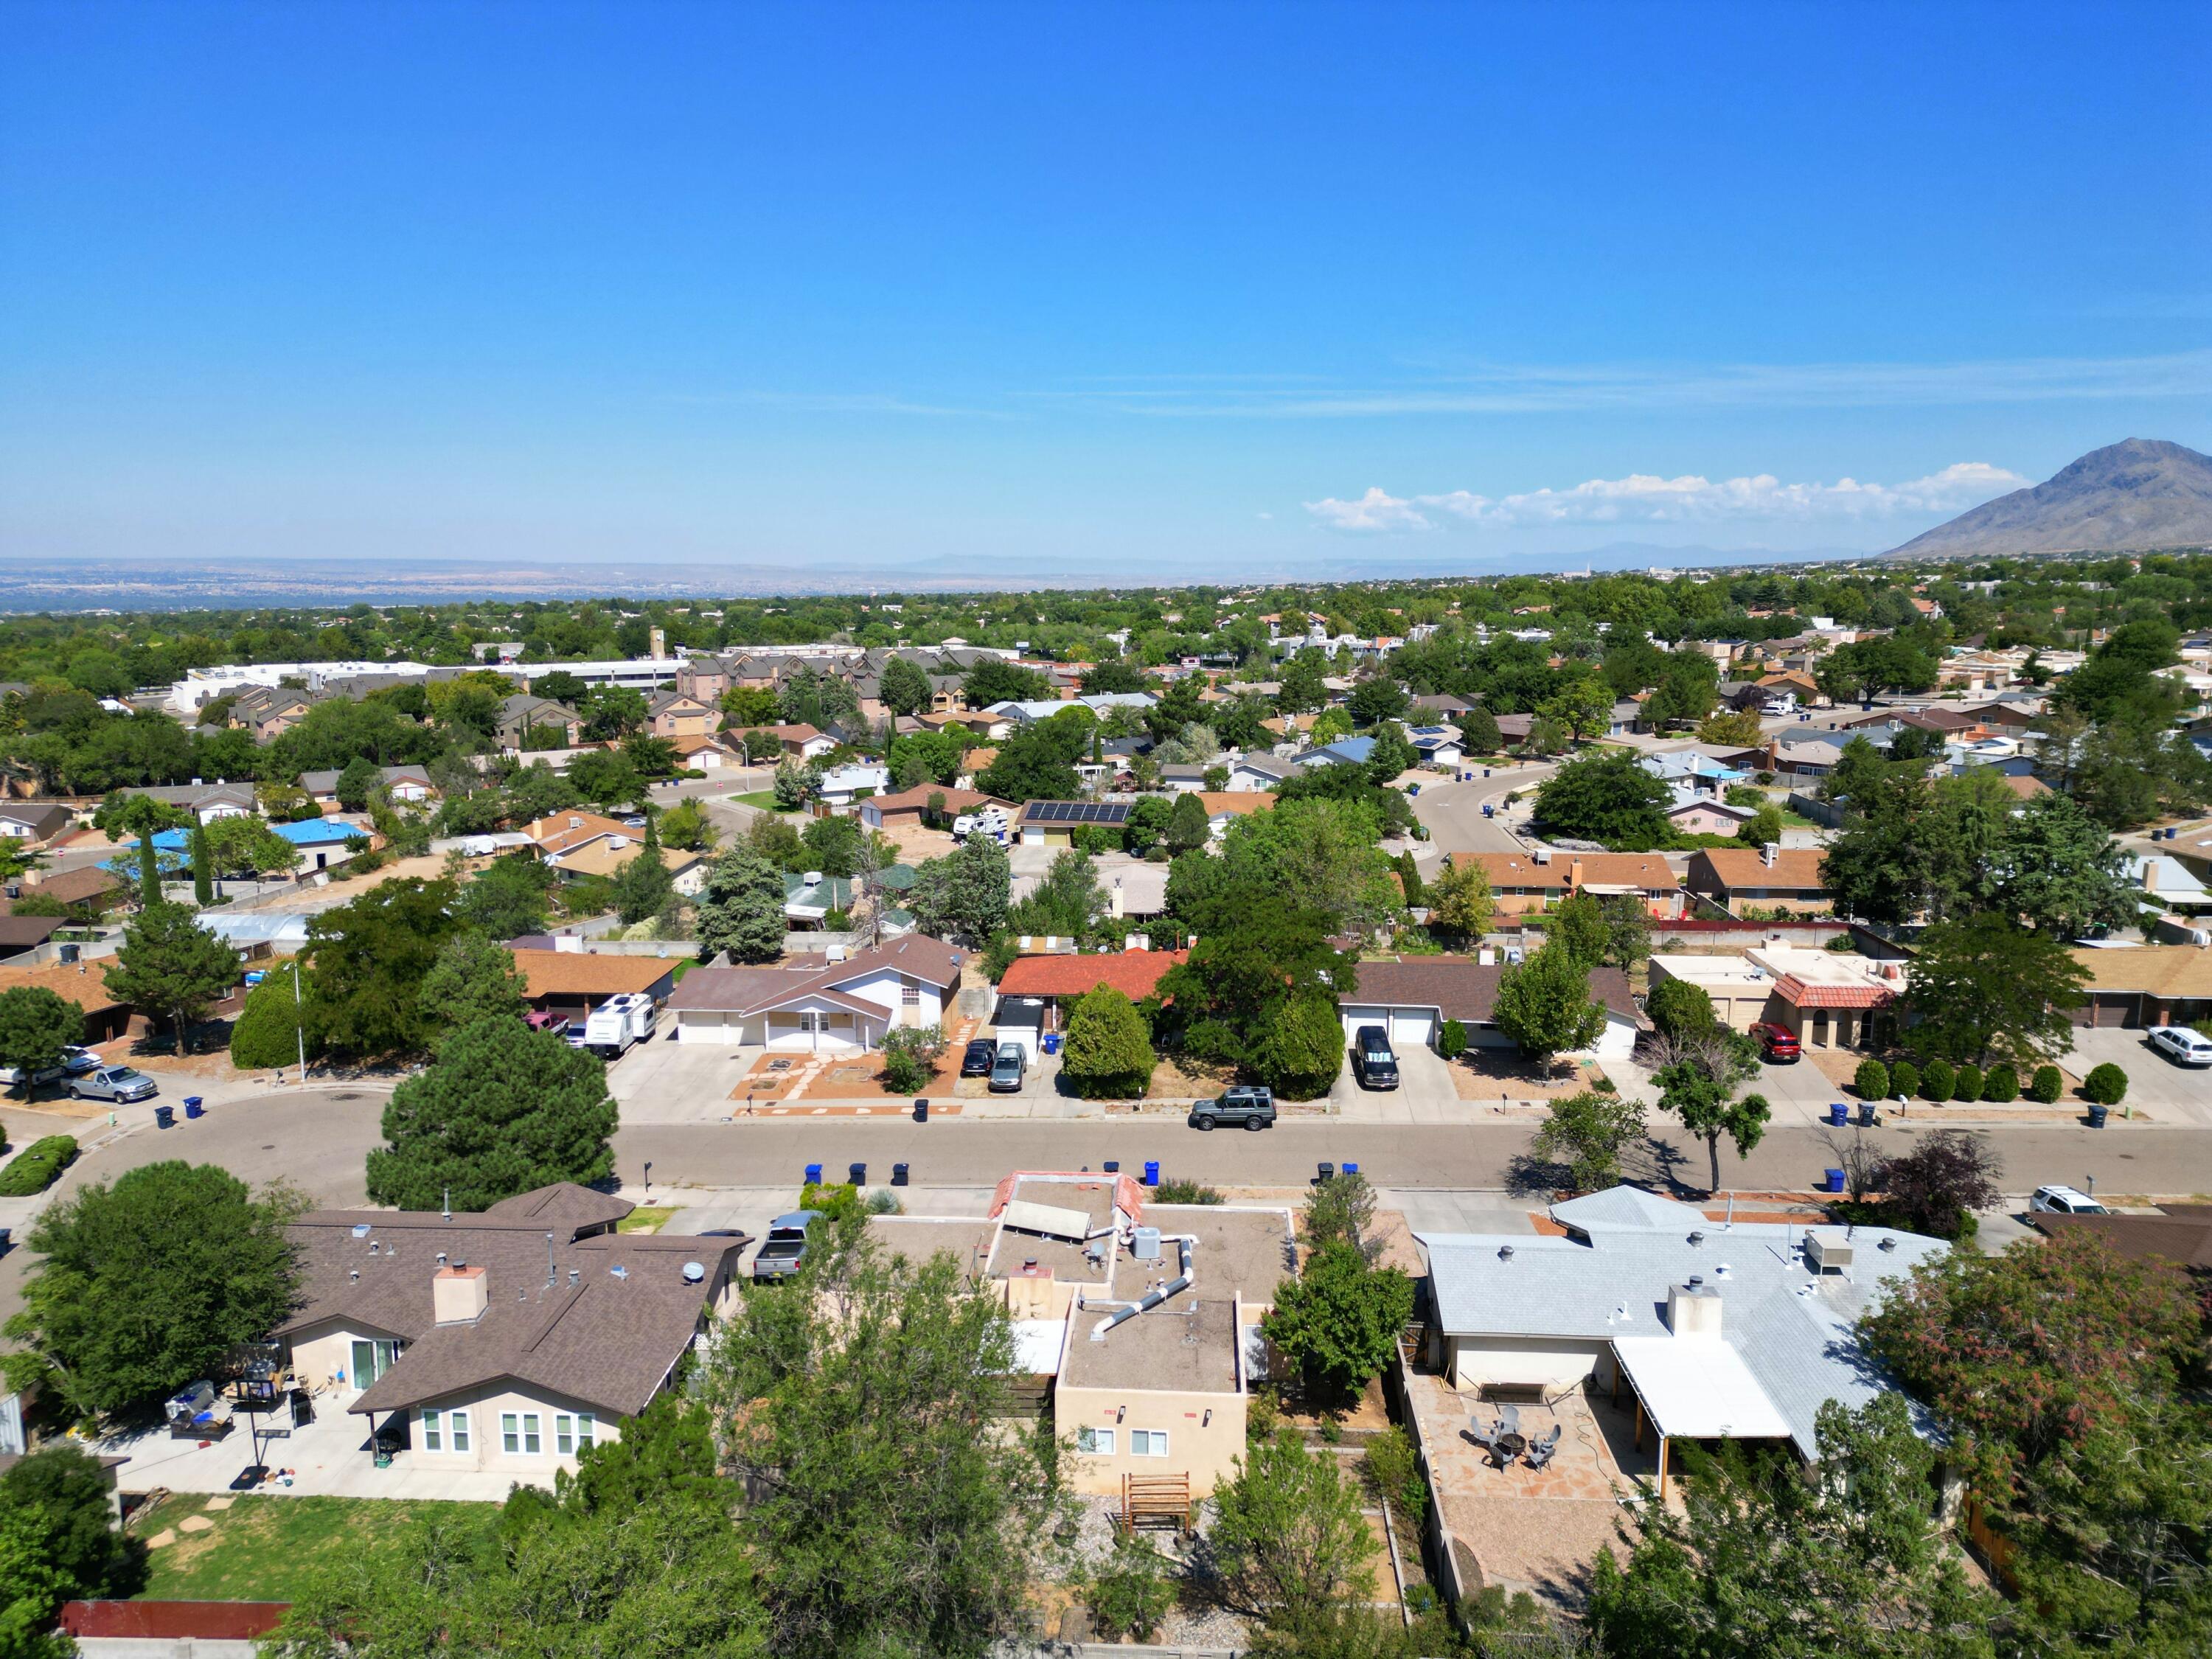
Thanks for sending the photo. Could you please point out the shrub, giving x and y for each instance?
(1396, 1469)
(2047, 1085)
(1873, 1080)
(1905, 1079)
(36, 1166)
(910, 1056)
(1131, 1591)
(2001, 1085)
(1184, 1192)
(1935, 1081)
(1451, 1041)
(1967, 1084)
(267, 1029)
(2107, 1085)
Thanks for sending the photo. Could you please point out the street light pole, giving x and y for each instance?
(300, 1022)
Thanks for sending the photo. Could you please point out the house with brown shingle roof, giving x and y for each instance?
(504, 1340)
(1525, 883)
(1772, 878)
(1410, 998)
(574, 983)
(2144, 986)
(819, 1006)
(909, 805)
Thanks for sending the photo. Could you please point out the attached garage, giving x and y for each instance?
(1411, 997)
(1413, 1025)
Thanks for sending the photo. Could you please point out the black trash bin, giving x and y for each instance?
(2097, 1114)
(1112, 1166)
(165, 1117)
(857, 1174)
(921, 1111)
(1324, 1172)
(1866, 1115)
(898, 1174)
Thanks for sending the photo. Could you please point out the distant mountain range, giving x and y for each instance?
(2127, 498)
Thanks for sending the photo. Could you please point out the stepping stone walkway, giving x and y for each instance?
(218, 1505)
(162, 1538)
(196, 1524)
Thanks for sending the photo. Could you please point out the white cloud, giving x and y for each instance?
(1373, 511)
(1645, 498)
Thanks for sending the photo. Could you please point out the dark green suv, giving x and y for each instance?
(1253, 1108)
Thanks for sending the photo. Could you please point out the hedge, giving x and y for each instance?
(2047, 1085)
(1904, 1079)
(1935, 1080)
(36, 1166)
(2001, 1086)
(1967, 1085)
(1451, 1041)
(1873, 1080)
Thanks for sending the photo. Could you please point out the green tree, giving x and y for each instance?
(65, 1491)
(1739, 728)
(996, 680)
(35, 1026)
(502, 1109)
(32, 1591)
(1459, 900)
(1300, 1052)
(1479, 726)
(1293, 1547)
(965, 895)
(795, 785)
(361, 779)
(168, 961)
(867, 1418)
(1341, 1210)
(1544, 1004)
(246, 845)
(1698, 1084)
(741, 908)
(1984, 984)
(1187, 829)
(903, 688)
(643, 885)
(1676, 1007)
(1260, 991)
(665, 1582)
(202, 868)
(509, 897)
(1587, 1133)
(148, 1284)
(1131, 1591)
(2060, 872)
(365, 963)
(1109, 1052)
(1936, 1186)
(1579, 927)
(1339, 1321)
(1584, 707)
(474, 978)
(1038, 762)
(141, 817)
(910, 1056)
(1147, 823)
(1761, 1561)
(269, 1028)
(687, 825)
(1608, 799)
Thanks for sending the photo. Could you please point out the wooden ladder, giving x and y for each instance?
(1155, 1500)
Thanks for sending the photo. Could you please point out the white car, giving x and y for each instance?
(2065, 1200)
(2181, 1045)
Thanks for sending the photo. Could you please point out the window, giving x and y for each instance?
(1148, 1442)
(431, 1439)
(371, 1359)
(530, 1433)
(1095, 1440)
(910, 993)
(572, 1434)
(510, 1432)
(586, 1423)
(457, 1423)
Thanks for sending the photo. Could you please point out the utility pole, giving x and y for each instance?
(299, 1021)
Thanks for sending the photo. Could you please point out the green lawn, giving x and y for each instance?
(646, 1218)
(268, 1549)
(763, 799)
(684, 965)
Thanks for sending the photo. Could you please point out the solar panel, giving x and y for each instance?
(1077, 812)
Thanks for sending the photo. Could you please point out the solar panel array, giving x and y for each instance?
(1075, 812)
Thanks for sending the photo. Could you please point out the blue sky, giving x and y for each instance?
(1173, 291)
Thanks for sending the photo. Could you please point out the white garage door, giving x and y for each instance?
(706, 1025)
(1355, 1017)
(1413, 1025)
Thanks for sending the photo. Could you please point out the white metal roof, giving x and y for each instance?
(1048, 1218)
(1698, 1387)
(1036, 1345)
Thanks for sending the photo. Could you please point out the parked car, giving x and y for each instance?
(116, 1082)
(2182, 1046)
(981, 1055)
(556, 1024)
(1254, 1108)
(786, 1243)
(1009, 1068)
(2065, 1200)
(1777, 1044)
(1372, 1062)
(76, 1062)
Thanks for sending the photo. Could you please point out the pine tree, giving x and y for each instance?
(503, 1109)
(642, 885)
(168, 961)
(202, 868)
(741, 908)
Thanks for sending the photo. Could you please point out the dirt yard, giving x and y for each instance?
(1491, 1074)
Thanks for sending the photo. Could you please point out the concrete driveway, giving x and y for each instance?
(1424, 1091)
(665, 1081)
(2168, 1093)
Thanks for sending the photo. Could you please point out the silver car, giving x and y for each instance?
(115, 1083)
(1006, 1071)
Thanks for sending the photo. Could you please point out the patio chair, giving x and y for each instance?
(1541, 1452)
(1486, 1438)
(1509, 1419)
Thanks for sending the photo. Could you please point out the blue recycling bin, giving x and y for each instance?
(1352, 1168)
(193, 1107)
(165, 1117)
(1112, 1166)
(814, 1175)
(1839, 1114)
(1052, 1042)
(1835, 1181)
(1152, 1172)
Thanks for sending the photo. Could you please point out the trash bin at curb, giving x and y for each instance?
(814, 1175)
(1835, 1181)
(898, 1174)
(857, 1174)
(165, 1117)
(1152, 1173)
(2097, 1114)
(1839, 1114)
(193, 1107)
(921, 1111)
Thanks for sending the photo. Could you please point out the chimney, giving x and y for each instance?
(1769, 852)
(1574, 876)
(1116, 905)
(459, 1294)
(1692, 1310)
(2150, 873)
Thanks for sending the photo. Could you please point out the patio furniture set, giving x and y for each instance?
(1505, 1443)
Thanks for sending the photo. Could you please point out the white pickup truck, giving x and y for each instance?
(617, 1023)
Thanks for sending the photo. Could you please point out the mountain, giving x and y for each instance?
(2129, 497)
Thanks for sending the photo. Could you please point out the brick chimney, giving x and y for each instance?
(459, 1294)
